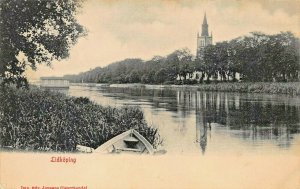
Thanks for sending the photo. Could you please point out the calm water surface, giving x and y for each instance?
(194, 122)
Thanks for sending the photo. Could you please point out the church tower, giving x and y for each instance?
(204, 39)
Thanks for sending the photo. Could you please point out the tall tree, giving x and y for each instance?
(35, 32)
(186, 66)
(222, 59)
(288, 59)
(210, 61)
(178, 63)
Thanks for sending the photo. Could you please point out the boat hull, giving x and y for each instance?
(128, 142)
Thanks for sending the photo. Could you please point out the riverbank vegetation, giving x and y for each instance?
(49, 121)
(290, 88)
(286, 88)
(256, 57)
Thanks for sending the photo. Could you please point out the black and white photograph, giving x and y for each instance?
(136, 94)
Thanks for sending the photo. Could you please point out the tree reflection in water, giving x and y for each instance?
(252, 117)
(259, 118)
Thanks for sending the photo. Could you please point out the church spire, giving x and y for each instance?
(204, 26)
(204, 39)
(204, 19)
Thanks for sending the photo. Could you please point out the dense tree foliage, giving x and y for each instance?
(256, 57)
(34, 32)
(157, 70)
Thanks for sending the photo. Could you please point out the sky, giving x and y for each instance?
(120, 29)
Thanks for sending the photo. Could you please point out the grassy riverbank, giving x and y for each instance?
(48, 121)
(289, 88)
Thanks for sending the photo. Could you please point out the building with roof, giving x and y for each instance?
(54, 82)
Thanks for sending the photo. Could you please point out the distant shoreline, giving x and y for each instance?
(288, 88)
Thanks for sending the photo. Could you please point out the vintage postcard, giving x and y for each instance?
(113, 94)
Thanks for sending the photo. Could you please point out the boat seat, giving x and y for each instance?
(129, 149)
(131, 139)
(132, 150)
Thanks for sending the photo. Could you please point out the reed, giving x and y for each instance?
(290, 88)
(48, 121)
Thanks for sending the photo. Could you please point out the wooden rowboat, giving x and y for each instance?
(128, 142)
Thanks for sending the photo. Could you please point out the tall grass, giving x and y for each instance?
(290, 88)
(48, 121)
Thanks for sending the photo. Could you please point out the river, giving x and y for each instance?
(217, 123)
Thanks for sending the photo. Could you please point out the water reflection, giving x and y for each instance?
(256, 119)
(57, 89)
(260, 119)
(203, 120)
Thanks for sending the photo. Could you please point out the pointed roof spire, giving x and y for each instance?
(204, 19)
(204, 26)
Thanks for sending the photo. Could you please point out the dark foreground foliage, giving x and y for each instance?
(38, 30)
(48, 121)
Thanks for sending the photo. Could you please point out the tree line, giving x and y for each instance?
(255, 57)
